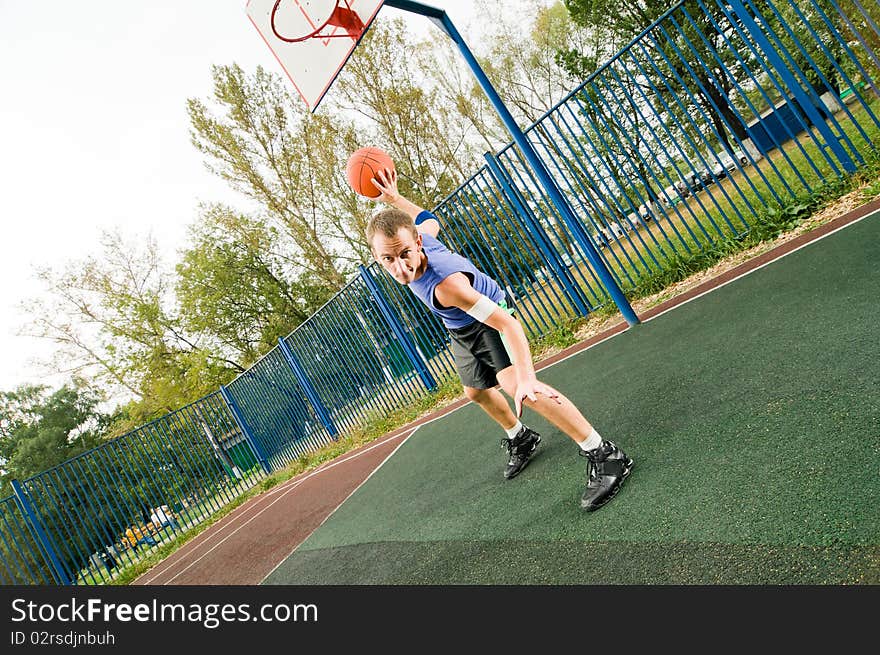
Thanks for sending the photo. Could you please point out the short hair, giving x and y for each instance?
(388, 222)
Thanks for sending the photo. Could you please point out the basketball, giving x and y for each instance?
(363, 165)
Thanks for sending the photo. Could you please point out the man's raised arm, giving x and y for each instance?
(425, 221)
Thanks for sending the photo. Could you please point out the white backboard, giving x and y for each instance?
(314, 63)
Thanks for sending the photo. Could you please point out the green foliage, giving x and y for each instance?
(235, 286)
(263, 141)
(39, 430)
(617, 21)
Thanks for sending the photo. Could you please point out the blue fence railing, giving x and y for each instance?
(85, 519)
(679, 141)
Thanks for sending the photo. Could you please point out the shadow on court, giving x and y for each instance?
(753, 415)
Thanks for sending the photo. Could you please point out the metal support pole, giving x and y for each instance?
(309, 389)
(570, 288)
(396, 326)
(221, 454)
(243, 426)
(38, 532)
(441, 19)
(792, 83)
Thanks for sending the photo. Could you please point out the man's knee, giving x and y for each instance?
(476, 395)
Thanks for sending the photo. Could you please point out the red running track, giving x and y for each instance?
(247, 544)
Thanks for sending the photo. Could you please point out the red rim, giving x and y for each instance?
(300, 38)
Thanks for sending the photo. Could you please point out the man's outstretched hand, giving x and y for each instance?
(386, 182)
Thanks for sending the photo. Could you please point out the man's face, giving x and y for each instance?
(400, 255)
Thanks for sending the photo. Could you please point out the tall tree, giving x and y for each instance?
(114, 321)
(688, 50)
(39, 429)
(389, 86)
(238, 285)
(264, 142)
(520, 54)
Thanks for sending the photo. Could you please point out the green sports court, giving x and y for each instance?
(753, 416)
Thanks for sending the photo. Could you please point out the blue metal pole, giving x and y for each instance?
(309, 389)
(441, 19)
(547, 250)
(394, 323)
(242, 425)
(794, 87)
(36, 527)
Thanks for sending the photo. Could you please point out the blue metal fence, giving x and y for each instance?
(84, 520)
(713, 113)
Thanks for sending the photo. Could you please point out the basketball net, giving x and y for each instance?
(345, 18)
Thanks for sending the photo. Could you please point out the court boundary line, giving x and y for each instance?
(765, 264)
(341, 503)
(723, 279)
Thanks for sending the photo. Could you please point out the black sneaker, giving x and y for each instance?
(607, 468)
(520, 449)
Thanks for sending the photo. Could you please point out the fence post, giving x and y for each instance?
(791, 82)
(219, 452)
(309, 389)
(243, 426)
(571, 290)
(390, 315)
(39, 533)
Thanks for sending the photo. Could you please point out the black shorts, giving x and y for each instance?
(479, 354)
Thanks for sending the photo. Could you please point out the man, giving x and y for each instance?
(489, 345)
(163, 516)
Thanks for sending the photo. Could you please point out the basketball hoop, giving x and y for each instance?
(304, 37)
(305, 19)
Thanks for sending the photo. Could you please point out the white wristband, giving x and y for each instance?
(482, 309)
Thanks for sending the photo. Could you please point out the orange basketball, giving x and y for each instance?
(362, 166)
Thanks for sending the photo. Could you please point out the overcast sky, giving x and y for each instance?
(95, 133)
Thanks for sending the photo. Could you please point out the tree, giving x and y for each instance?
(237, 285)
(521, 59)
(114, 321)
(822, 29)
(264, 142)
(39, 430)
(690, 52)
(398, 107)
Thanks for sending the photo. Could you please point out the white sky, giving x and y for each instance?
(95, 134)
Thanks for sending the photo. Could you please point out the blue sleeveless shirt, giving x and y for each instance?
(442, 263)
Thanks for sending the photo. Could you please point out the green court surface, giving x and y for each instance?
(753, 416)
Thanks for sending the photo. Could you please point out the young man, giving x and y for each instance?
(403, 238)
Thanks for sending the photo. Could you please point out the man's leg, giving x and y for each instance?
(494, 404)
(521, 441)
(608, 466)
(560, 411)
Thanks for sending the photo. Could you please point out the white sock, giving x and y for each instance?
(512, 432)
(592, 441)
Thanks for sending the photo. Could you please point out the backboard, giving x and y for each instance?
(312, 39)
